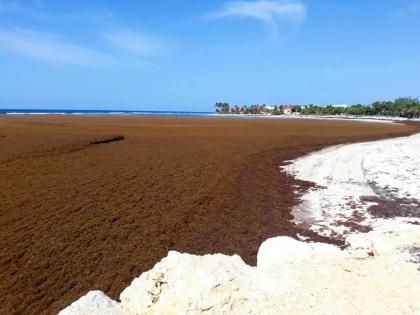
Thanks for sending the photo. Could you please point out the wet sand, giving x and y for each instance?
(80, 211)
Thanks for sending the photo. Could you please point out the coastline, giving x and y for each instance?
(185, 114)
(373, 119)
(246, 202)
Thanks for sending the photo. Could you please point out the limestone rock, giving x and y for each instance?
(291, 277)
(206, 283)
(93, 303)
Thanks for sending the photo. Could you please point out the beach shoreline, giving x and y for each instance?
(185, 114)
(72, 212)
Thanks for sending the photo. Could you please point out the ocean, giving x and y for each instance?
(12, 111)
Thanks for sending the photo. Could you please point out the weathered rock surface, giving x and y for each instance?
(291, 277)
(93, 303)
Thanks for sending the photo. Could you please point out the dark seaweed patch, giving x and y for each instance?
(107, 139)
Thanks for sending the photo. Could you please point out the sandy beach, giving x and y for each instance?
(89, 203)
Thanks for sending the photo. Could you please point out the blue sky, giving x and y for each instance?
(189, 54)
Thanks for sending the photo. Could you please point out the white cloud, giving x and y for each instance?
(269, 12)
(50, 48)
(134, 42)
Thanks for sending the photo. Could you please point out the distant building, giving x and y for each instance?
(287, 109)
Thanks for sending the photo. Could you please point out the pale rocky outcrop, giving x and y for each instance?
(291, 277)
(93, 303)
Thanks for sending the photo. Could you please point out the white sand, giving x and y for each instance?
(365, 119)
(388, 170)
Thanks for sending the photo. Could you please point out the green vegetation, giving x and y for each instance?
(222, 107)
(402, 107)
(277, 111)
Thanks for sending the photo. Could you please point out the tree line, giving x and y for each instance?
(407, 107)
(224, 108)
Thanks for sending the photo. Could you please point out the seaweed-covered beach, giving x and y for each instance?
(91, 202)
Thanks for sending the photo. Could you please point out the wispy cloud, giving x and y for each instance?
(134, 42)
(268, 12)
(50, 48)
(114, 44)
